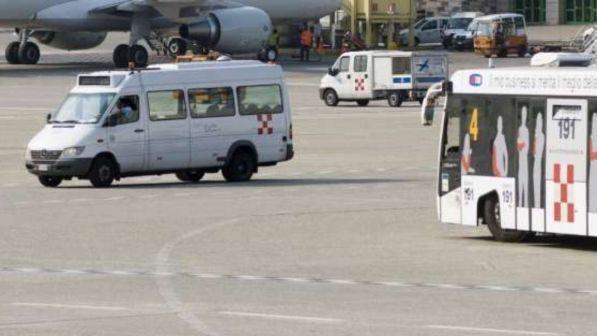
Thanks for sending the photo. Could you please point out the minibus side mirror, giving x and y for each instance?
(48, 117)
(333, 72)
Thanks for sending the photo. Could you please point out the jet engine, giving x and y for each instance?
(233, 30)
(70, 40)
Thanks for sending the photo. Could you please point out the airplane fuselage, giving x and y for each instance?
(73, 15)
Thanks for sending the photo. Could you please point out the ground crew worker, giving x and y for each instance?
(306, 43)
(274, 40)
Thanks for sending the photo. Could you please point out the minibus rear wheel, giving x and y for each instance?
(493, 219)
(241, 167)
(103, 172)
(190, 176)
(50, 181)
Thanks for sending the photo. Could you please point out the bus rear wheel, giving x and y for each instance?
(491, 210)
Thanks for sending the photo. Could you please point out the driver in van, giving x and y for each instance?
(127, 111)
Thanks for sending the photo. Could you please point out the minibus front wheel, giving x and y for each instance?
(50, 181)
(103, 172)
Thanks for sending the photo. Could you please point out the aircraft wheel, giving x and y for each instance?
(139, 55)
(177, 47)
(121, 56)
(29, 54)
(12, 53)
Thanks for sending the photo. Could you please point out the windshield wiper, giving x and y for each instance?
(66, 121)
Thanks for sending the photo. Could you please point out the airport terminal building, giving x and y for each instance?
(539, 12)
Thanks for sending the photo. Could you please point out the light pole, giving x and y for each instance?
(391, 28)
(411, 24)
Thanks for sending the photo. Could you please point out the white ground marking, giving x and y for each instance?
(165, 287)
(293, 279)
(284, 317)
(490, 330)
(116, 198)
(66, 306)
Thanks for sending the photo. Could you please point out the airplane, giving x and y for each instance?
(232, 27)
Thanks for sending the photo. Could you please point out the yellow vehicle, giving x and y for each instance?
(501, 35)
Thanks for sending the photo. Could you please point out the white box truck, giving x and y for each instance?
(397, 76)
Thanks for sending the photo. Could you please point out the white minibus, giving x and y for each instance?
(188, 119)
(518, 147)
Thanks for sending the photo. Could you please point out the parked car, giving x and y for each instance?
(427, 30)
(464, 40)
(458, 23)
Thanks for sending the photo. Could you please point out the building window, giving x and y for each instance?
(581, 11)
(533, 10)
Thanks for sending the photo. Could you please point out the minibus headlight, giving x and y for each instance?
(73, 151)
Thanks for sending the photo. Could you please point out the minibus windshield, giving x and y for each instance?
(82, 108)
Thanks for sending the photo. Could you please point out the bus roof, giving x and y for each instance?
(527, 81)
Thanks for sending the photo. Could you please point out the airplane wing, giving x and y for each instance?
(174, 10)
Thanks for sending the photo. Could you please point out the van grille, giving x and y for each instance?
(45, 155)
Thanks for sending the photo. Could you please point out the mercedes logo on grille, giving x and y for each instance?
(44, 153)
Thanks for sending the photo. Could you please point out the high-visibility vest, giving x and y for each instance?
(306, 38)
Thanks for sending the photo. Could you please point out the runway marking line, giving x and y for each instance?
(66, 306)
(284, 317)
(490, 330)
(306, 280)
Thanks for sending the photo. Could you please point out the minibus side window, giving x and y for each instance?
(259, 99)
(212, 102)
(126, 110)
(166, 105)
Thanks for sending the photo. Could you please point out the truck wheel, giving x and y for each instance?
(522, 51)
(420, 100)
(395, 99)
(190, 176)
(363, 102)
(491, 214)
(502, 53)
(102, 173)
(50, 181)
(331, 98)
(241, 167)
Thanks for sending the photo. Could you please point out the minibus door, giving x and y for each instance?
(566, 166)
(126, 133)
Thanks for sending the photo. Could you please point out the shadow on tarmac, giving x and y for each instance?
(269, 183)
(577, 243)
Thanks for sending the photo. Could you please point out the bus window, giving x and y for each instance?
(451, 139)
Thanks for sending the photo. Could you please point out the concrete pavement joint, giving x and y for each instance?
(307, 280)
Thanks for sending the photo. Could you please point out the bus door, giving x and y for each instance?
(449, 175)
(566, 166)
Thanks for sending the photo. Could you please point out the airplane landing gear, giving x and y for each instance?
(26, 54)
(177, 47)
(123, 54)
(12, 53)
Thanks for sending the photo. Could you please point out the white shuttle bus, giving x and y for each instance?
(188, 119)
(518, 147)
